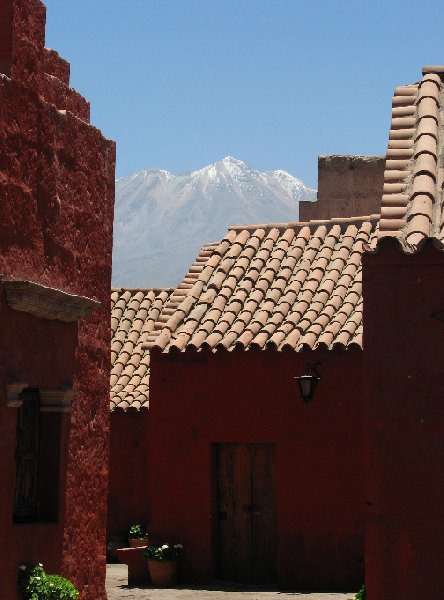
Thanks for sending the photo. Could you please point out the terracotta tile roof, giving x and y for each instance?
(182, 290)
(411, 207)
(282, 285)
(133, 314)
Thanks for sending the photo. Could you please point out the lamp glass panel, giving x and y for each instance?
(305, 384)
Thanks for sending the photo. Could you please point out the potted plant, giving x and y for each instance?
(162, 563)
(138, 536)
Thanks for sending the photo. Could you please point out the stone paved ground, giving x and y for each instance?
(118, 590)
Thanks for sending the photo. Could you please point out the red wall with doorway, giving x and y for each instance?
(404, 423)
(128, 500)
(198, 399)
(56, 212)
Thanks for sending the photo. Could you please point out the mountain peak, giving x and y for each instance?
(234, 167)
(230, 165)
(230, 160)
(162, 219)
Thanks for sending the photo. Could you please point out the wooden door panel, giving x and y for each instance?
(263, 514)
(234, 527)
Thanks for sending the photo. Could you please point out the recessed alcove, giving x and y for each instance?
(6, 37)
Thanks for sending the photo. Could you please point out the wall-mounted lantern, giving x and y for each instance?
(308, 383)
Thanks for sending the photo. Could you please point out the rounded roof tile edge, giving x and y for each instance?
(131, 408)
(314, 223)
(142, 289)
(427, 69)
(403, 245)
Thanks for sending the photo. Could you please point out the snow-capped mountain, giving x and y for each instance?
(162, 219)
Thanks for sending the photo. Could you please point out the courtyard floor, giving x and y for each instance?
(117, 589)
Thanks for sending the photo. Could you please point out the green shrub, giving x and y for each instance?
(361, 595)
(38, 585)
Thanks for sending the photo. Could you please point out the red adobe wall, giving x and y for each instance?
(404, 422)
(56, 212)
(348, 186)
(128, 500)
(251, 397)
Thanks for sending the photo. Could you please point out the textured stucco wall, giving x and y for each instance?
(404, 423)
(56, 212)
(251, 397)
(348, 186)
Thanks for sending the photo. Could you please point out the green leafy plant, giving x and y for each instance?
(35, 584)
(163, 552)
(361, 595)
(137, 532)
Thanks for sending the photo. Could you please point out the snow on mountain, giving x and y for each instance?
(162, 219)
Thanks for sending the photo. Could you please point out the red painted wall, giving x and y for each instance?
(56, 212)
(128, 500)
(199, 399)
(404, 422)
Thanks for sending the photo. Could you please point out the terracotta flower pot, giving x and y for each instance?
(139, 543)
(163, 573)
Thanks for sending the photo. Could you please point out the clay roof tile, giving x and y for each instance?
(428, 107)
(424, 183)
(131, 311)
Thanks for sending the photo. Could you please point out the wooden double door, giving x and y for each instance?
(246, 510)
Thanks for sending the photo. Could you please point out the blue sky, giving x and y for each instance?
(182, 83)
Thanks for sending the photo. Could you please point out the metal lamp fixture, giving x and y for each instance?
(308, 383)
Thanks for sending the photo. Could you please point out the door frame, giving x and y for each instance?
(214, 453)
